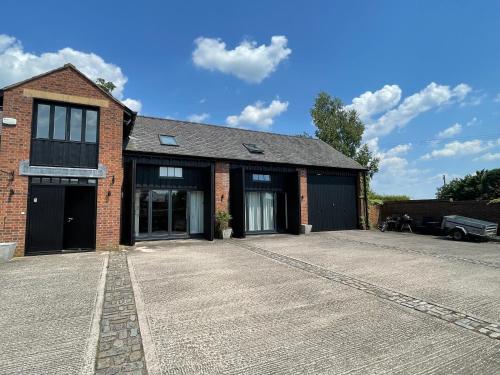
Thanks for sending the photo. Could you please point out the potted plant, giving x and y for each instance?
(222, 224)
(7, 251)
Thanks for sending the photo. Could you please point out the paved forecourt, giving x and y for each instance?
(432, 269)
(49, 313)
(208, 308)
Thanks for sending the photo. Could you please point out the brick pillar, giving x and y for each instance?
(221, 186)
(304, 213)
(15, 146)
(362, 219)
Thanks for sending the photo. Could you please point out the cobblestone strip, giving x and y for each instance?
(120, 346)
(413, 251)
(490, 329)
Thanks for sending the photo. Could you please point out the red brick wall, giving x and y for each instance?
(374, 215)
(221, 186)
(304, 213)
(15, 147)
(417, 209)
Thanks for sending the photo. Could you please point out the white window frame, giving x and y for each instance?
(171, 172)
(261, 177)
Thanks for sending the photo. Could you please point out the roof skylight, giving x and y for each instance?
(253, 148)
(168, 140)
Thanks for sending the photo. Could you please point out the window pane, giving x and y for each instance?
(91, 126)
(141, 212)
(178, 172)
(159, 211)
(59, 123)
(170, 172)
(168, 140)
(42, 121)
(75, 130)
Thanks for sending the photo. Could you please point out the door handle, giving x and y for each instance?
(333, 204)
(70, 219)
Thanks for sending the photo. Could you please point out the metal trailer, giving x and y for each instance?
(461, 227)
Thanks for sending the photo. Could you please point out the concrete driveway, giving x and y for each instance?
(330, 303)
(49, 313)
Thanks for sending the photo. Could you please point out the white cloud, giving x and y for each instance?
(457, 148)
(391, 160)
(432, 96)
(399, 149)
(474, 100)
(198, 117)
(133, 104)
(488, 157)
(451, 131)
(17, 64)
(248, 61)
(258, 115)
(372, 103)
(473, 122)
(497, 98)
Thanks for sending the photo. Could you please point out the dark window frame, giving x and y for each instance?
(253, 148)
(68, 106)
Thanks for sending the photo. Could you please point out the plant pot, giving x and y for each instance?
(7, 251)
(226, 233)
(305, 228)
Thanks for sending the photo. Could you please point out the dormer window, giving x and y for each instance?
(168, 140)
(253, 148)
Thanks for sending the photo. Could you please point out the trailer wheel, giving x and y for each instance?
(457, 235)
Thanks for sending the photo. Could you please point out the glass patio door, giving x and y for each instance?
(260, 211)
(178, 212)
(161, 213)
(160, 218)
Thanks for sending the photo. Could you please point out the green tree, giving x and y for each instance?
(107, 86)
(483, 184)
(343, 130)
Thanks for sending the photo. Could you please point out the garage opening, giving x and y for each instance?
(332, 203)
(61, 215)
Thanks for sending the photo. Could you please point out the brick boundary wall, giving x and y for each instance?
(417, 209)
(15, 147)
(221, 186)
(374, 215)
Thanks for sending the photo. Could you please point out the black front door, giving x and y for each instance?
(79, 217)
(45, 219)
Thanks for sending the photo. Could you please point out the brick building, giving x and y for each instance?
(79, 170)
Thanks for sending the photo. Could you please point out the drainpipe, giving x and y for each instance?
(367, 224)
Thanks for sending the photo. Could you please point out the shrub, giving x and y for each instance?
(379, 199)
(222, 220)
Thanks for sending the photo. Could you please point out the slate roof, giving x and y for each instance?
(219, 142)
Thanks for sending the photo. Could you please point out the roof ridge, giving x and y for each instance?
(61, 68)
(228, 127)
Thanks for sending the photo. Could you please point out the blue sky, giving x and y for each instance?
(424, 75)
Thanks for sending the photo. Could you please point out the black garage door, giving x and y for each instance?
(332, 202)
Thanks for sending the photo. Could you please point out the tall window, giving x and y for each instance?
(66, 123)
